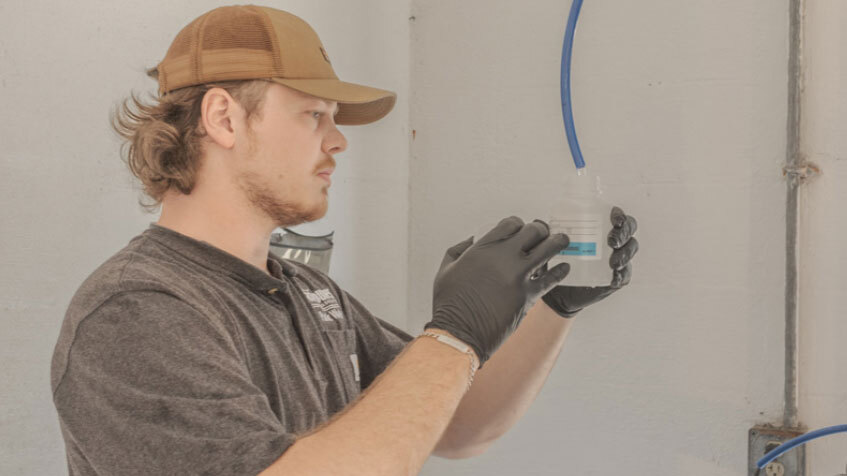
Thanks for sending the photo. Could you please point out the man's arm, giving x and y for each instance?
(505, 387)
(508, 384)
(394, 426)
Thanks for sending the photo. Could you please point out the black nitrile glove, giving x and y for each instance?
(568, 300)
(483, 289)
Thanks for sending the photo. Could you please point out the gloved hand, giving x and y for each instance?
(484, 289)
(568, 300)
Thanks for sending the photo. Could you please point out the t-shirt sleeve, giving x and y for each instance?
(154, 387)
(378, 342)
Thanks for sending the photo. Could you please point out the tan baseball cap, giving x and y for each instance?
(255, 42)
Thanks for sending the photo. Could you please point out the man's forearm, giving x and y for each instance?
(394, 426)
(508, 383)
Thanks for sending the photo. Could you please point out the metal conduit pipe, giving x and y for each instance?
(797, 170)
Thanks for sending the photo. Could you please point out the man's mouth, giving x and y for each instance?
(326, 175)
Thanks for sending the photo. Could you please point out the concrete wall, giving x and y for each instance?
(681, 109)
(70, 203)
(823, 373)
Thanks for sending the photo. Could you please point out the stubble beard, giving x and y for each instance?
(283, 212)
(266, 199)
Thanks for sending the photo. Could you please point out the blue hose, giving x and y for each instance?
(567, 109)
(779, 450)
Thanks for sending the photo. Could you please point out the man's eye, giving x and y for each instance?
(317, 114)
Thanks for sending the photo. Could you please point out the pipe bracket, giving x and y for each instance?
(802, 171)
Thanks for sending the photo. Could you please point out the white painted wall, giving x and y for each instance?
(823, 373)
(681, 108)
(69, 202)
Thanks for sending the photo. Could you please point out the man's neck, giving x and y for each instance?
(238, 233)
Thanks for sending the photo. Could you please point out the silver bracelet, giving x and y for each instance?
(461, 347)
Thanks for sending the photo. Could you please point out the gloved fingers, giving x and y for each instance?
(620, 257)
(538, 272)
(623, 228)
(550, 247)
(617, 216)
(622, 276)
(550, 279)
(570, 299)
(599, 294)
(532, 234)
(506, 228)
(456, 250)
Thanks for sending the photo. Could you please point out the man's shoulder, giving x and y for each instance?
(139, 266)
(136, 268)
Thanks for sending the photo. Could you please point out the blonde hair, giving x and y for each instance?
(162, 140)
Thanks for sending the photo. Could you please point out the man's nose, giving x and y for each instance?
(335, 142)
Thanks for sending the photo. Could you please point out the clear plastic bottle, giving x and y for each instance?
(581, 213)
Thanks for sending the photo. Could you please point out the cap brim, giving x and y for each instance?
(357, 104)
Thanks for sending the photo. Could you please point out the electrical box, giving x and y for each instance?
(762, 439)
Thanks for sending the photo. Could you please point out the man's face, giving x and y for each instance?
(288, 159)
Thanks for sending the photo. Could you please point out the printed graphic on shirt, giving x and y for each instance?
(324, 302)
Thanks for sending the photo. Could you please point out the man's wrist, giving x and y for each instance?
(447, 339)
(473, 354)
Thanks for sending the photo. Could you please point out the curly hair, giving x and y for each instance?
(162, 140)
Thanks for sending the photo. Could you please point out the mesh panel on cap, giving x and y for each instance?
(227, 43)
(182, 43)
(236, 28)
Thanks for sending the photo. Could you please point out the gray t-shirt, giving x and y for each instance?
(176, 357)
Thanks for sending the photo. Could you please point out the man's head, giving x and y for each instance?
(246, 91)
(282, 158)
(273, 143)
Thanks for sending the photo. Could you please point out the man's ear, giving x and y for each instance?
(218, 113)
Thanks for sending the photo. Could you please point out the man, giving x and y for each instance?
(195, 351)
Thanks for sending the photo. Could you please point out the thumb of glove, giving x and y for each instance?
(455, 251)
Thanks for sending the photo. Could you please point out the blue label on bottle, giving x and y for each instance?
(580, 249)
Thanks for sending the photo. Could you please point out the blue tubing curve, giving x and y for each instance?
(567, 109)
(779, 450)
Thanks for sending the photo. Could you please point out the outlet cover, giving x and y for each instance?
(762, 439)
